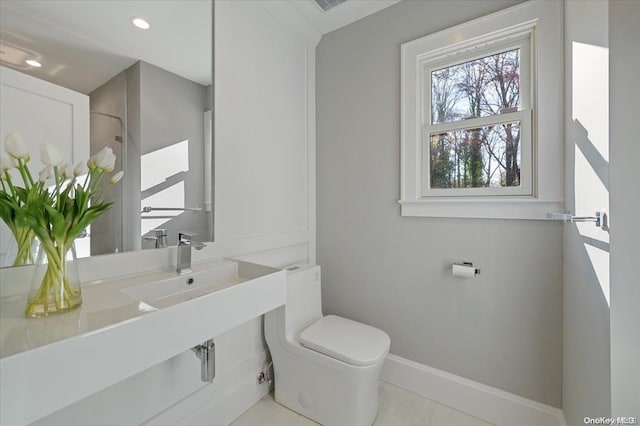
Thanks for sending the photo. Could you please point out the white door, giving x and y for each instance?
(41, 111)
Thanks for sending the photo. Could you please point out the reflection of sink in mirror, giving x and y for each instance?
(175, 288)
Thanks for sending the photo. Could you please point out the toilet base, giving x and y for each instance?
(330, 396)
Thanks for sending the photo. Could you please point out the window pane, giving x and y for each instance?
(479, 88)
(476, 158)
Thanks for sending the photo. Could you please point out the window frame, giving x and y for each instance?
(540, 23)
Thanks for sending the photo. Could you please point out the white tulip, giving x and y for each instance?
(50, 155)
(6, 163)
(15, 147)
(116, 177)
(67, 170)
(46, 173)
(3, 175)
(80, 169)
(110, 163)
(104, 159)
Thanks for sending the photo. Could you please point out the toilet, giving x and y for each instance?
(326, 367)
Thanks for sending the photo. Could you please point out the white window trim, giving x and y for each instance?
(547, 147)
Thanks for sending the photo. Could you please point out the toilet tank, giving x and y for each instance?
(304, 298)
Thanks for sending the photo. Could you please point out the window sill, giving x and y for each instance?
(484, 208)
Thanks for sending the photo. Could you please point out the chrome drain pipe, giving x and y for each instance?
(207, 354)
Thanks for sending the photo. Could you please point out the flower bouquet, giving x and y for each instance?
(56, 208)
(22, 233)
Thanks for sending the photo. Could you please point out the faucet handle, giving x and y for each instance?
(184, 238)
(159, 236)
(159, 232)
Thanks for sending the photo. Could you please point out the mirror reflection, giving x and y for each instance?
(103, 81)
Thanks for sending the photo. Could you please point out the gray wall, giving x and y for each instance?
(132, 196)
(503, 328)
(160, 108)
(585, 379)
(172, 110)
(624, 36)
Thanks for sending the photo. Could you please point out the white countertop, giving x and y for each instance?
(63, 358)
(104, 304)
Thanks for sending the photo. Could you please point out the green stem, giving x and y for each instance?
(24, 237)
(24, 172)
(28, 172)
(10, 184)
(104, 191)
(56, 288)
(95, 179)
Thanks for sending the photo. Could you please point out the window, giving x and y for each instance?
(471, 98)
(477, 128)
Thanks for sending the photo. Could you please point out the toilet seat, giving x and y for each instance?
(346, 340)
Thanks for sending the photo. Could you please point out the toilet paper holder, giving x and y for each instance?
(464, 269)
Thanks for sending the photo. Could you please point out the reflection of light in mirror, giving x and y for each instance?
(159, 166)
(140, 23)
(590, 114)
(11, 54)
(143, 307)
(162, 182)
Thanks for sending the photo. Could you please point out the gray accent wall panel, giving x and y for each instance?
(502, 328)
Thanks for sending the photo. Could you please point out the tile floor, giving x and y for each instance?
(396, 407)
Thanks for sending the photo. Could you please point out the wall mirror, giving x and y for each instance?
(103, 81)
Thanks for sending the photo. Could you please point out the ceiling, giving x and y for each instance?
(340, 15)
(83, 44)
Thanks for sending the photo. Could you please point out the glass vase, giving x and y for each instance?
(23, 248)
(55, 287)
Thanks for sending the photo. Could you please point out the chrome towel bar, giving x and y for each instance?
(600, 219)
(147, 209)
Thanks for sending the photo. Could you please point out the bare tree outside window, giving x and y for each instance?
(488, 156)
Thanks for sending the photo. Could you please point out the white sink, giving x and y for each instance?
(180, 288)
(127, 324)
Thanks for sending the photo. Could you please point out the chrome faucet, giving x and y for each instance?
(158, 236)
(185, 242)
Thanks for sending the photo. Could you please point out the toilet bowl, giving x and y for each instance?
(325, 368)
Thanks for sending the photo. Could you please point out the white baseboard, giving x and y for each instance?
(476, 399)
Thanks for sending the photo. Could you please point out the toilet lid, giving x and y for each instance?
(349, 341)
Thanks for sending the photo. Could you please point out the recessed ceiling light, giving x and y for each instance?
(33, 63)
(140, 23)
